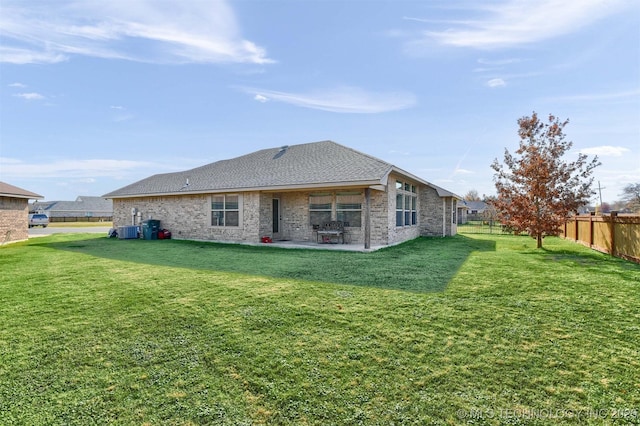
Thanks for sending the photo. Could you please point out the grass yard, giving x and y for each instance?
(477, 329)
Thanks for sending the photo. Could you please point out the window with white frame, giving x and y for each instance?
(320, 207)
(349, 208)
(454, 208)
(225, 210)
(406, 204)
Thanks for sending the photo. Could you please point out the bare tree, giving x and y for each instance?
(472, 195)
(537, 189)
(631, 196)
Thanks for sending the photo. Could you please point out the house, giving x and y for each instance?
(286, 193)
(475, 207)
(471, 210)
(14, 212)
(84, 208)
(462, 213)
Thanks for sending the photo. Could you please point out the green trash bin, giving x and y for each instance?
(150, 229)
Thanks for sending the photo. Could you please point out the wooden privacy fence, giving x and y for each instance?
(81, 219)
(613, 234)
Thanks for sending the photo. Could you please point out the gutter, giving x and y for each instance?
(373, 184)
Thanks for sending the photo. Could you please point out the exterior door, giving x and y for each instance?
(276, 218)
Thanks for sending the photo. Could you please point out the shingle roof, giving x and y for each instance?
(7, 190)
(476, 205)
(98, 206)
(296, 166)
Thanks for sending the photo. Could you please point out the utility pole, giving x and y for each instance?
(600, 192)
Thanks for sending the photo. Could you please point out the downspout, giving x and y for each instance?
(444, 216)
(367, 218)
(454, 214)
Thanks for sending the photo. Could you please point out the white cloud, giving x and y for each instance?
(459, 171)
(605, 151)
(18, 85)
(21, 56)
(342, 99)
(169, 32)
(516, 22)
(261, 98)
(499, 62)
(493, 65)
(496, 82)
(29, 96)
(12, 168)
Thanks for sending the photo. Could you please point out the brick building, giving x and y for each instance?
(286, 193)
(14, 212)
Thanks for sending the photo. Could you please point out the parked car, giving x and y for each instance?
(38, 219)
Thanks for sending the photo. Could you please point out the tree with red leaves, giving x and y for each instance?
(537, 189)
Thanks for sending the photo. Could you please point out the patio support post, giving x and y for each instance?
(367, 218)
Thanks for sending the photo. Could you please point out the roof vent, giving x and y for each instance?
(281, 152)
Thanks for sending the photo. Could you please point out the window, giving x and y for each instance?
(320, 206)
(406, 204)
(349, 208)
(225, 210)
(454, 208)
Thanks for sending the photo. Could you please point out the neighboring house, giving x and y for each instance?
(284, 193)
(462, 213)
(14, 212)
(83, 208)
(475, 207)
(473, 210)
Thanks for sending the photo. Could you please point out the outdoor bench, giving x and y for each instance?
(330, 230)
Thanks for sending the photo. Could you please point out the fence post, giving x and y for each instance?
(612, 230)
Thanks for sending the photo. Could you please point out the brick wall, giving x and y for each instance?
(296, 224)
(432, 208)
(14, 219)
(189, 216)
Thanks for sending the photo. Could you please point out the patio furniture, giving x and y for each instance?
(329, 231)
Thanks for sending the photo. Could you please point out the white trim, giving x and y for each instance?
(278, 188)
(240, 211)
(444, 217)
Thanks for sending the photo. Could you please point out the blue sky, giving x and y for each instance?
(96, 95)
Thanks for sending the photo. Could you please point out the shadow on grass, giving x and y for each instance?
(421, 265)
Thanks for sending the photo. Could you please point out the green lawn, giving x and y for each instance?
(481, 329)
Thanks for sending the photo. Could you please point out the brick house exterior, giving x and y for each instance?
(281, 193)
(14, 212)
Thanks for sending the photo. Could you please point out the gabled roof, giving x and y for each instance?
(11, 191)
(318, 164)
(476, 205)
(82, 204)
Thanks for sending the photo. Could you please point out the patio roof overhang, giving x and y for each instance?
(377, 185)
